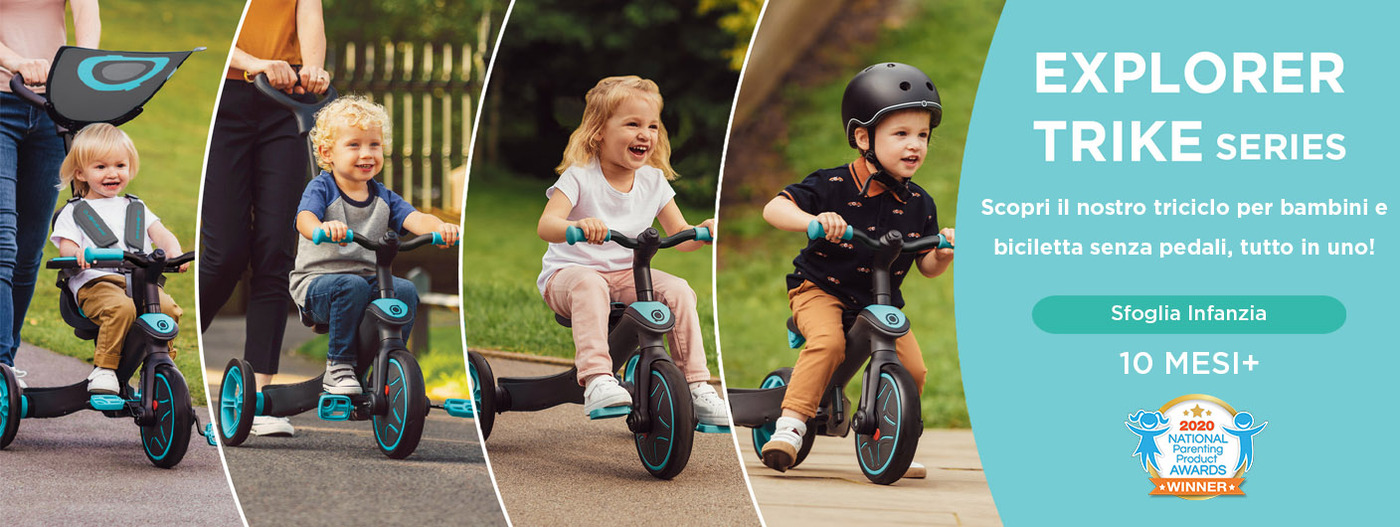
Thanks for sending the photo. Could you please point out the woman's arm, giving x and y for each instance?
(311, 34)
(87, 25)
(673, 221)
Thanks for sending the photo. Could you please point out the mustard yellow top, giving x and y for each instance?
(269, 32)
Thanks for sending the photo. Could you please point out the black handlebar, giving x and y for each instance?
(17, 86)
(305, 112)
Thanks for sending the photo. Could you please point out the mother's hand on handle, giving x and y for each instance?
(279, 74)
(314, 79)
(35, 71)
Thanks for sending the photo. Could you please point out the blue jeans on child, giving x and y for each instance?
(340, 300)
(30, 154)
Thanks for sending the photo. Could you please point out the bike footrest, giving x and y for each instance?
(610, 412)
(208, 434)
(107, 403)
(711, 429)
(459, 408)
(334, 407)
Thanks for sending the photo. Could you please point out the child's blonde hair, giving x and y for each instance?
(95, 141)
(599, 104)
(353, 110)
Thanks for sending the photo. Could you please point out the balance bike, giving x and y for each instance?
(662, 416)
(887, 418)
(393, 396)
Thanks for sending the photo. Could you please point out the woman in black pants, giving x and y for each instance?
(254, 178)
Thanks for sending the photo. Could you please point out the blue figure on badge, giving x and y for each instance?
(1145, 424)
(1246, 435)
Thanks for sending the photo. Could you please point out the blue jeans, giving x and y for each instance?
(30, 154)
(339, 300)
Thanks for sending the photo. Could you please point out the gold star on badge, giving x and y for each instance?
(1196, 412)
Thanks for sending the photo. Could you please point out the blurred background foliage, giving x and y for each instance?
(555, 50)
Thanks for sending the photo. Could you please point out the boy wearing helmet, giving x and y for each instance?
(888, 111)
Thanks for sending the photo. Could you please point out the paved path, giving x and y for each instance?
(331, 473)
(86, 469)
(555, 467)
(829, 489)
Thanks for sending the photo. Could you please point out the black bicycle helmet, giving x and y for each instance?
(883, 88)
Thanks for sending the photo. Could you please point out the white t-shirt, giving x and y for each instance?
(627, 212)
(113, 213)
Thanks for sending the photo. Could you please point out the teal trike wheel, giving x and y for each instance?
(483, 393)
(665, 449)
(238, 401)
(165, 441)
(761, 435)
(885, 455)
(10, 405)
(397, 431)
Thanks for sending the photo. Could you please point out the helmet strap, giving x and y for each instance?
(899, 188)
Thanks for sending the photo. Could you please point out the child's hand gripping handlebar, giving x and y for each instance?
(118, 258)
(574, 235)
(815, 231)
(432, 238)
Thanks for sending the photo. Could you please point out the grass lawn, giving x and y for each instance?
(949, 41)
(170, 136)
(501, 260)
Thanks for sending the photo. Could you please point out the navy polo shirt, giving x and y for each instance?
(843, 269)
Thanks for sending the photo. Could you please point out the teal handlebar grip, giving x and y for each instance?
(703, 234)
(93, 254)
(815, 231)
(943, 242)
(574, 235)
(437, 239)
(322, 236)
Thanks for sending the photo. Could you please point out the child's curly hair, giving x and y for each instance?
(353, 110)
(93, 142)
(599, 104)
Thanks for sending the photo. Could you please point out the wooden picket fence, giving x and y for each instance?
(429, 90)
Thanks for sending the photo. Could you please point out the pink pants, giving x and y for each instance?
(583, 295)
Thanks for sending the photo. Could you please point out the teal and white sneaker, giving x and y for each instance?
(19, 378)
(709, 408)
(602, 392)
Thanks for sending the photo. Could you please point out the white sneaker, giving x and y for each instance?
(19, 378)
(916, 470)
(604, 392)
(709, 408)
(266, 425)
(340, 379)
(103, 380)
(780, 452)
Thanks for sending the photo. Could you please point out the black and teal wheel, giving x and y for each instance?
(665, 448)
(398, 430)
(166, 440)
(885, 455)
(483, 393)
(761, 435)
(238, 402)
(11, 405)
